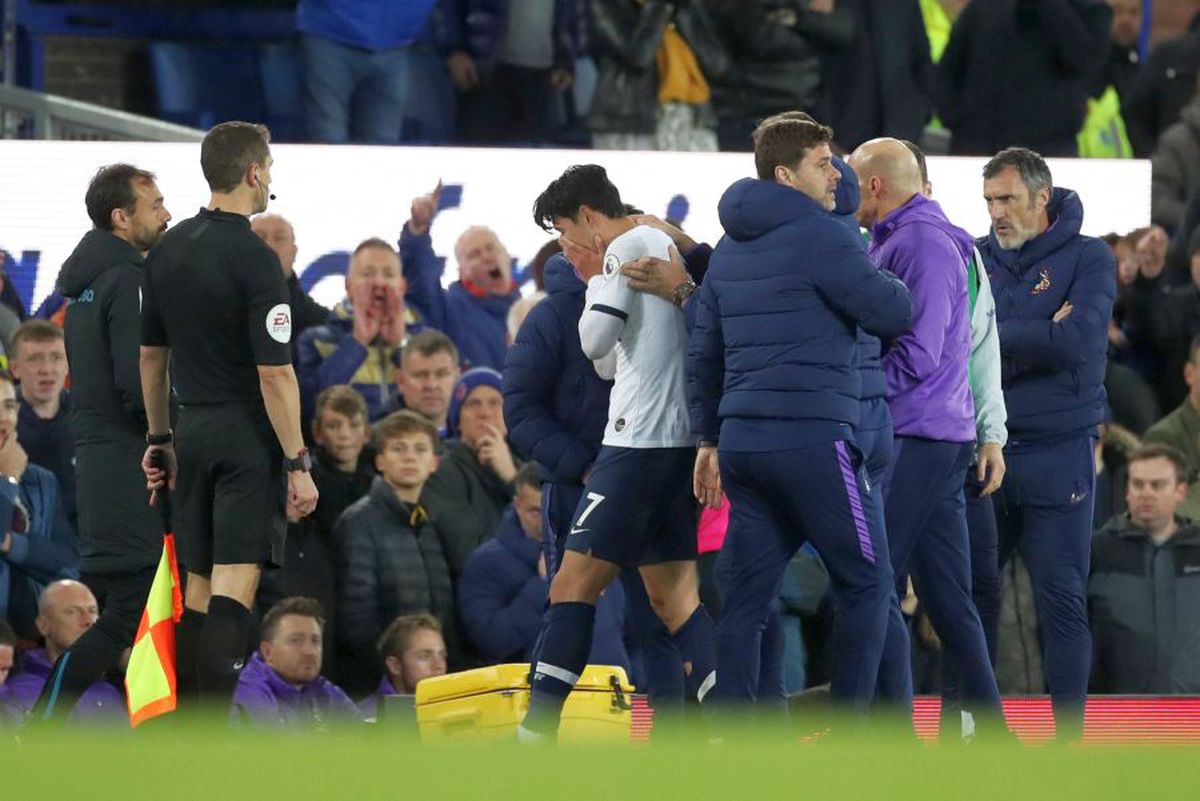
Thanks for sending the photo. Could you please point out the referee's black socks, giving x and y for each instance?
(187, 651)
(222, 650)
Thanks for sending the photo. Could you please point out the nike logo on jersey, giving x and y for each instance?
(575, 531)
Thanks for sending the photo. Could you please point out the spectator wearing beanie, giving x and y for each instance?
(474, 483)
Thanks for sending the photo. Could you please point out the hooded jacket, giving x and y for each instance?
(776, 335)
(264, 700)
(926, 368)
(102, 281)
(502, 600)
(874, 413)
(1052, 373)
(555, 405)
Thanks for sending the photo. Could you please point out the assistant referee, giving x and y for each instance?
(215, 306)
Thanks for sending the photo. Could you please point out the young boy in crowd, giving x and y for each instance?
(390, 558)
(342, 476)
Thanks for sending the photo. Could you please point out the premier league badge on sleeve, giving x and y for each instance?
(612, 263)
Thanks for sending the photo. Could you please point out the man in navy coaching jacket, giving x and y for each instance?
(1054, 292)
(774, 385)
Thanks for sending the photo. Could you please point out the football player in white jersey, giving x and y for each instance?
(637, 509)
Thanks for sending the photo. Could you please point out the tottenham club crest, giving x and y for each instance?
(279, 323)
(612, 263)
(1043, 282)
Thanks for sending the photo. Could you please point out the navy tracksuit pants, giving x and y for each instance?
(1044, 510)
(986, 588)
(772, 694)
(895, 669)
(927, 536)
(779, 500)
(662, 666)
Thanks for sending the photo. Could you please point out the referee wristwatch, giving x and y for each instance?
(683, 292)
(301, 464)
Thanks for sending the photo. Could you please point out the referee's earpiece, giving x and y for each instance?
(258, 181)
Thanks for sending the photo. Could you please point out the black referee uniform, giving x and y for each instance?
(214, 294)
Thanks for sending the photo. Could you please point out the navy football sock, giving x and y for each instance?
(697, 643)
(564, 653)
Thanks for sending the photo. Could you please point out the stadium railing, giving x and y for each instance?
(25, 114)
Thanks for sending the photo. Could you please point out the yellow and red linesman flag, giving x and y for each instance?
(150, 676)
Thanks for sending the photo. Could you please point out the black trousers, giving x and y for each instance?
(122, 597)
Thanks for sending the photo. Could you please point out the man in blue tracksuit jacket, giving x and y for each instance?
(1054, 292)
(933, 414)
(774, 388)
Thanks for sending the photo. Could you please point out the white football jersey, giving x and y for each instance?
(648, 404)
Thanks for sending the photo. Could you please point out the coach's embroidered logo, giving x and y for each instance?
(620, 424)
(1043, 283)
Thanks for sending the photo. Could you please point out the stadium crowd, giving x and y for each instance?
(1067, 77)
(453, 429)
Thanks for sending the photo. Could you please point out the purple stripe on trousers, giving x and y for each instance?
(856, 507)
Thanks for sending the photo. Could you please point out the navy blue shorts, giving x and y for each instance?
(637, 507)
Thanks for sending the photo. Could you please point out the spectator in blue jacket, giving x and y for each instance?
(773, 382)
(38, 545)
(281, 686)
(1054, 291)
(474, 310)
(360, 346)
(511, 59)
(372, 72)
(503, 588)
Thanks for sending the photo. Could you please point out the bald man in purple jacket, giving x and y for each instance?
(933, 416)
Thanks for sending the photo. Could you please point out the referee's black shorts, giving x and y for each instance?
(230, 489)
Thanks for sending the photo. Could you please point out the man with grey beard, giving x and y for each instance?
(1054, 292)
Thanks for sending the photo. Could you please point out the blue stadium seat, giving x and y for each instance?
(201, 85)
